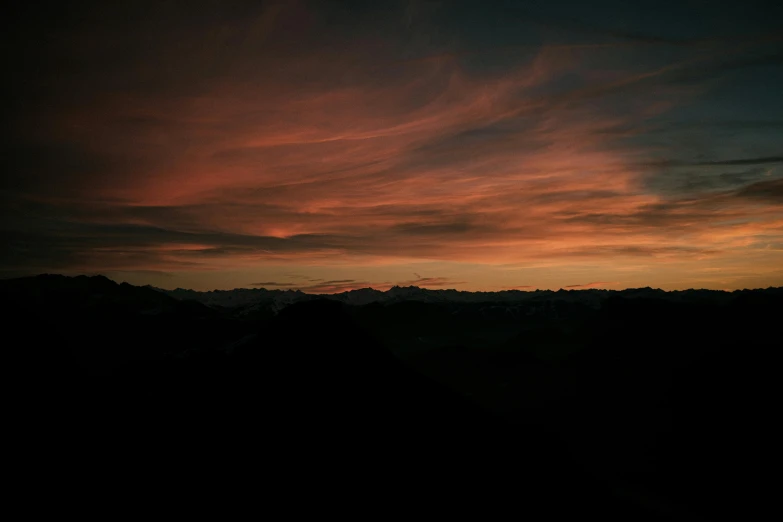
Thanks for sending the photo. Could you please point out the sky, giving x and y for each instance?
(328, 146)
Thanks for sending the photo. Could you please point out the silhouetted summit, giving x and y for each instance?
(631, 405)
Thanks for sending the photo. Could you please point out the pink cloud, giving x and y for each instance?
(357, 156)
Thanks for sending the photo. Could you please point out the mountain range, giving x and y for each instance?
(628, 405)
(277, 299)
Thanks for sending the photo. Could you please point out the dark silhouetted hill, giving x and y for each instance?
(632, 405)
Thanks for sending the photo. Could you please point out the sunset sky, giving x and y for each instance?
(328, 146)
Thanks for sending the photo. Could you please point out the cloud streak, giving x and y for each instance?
(345, 285)
(283, 141)
(596, 284)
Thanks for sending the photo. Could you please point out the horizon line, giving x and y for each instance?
(565, 288)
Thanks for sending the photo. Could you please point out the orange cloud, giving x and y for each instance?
(318, 157)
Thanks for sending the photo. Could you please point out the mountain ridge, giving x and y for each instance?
(251, 300)
(396, 293)
(638, 388)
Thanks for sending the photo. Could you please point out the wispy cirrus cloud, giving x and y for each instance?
(583, 146)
